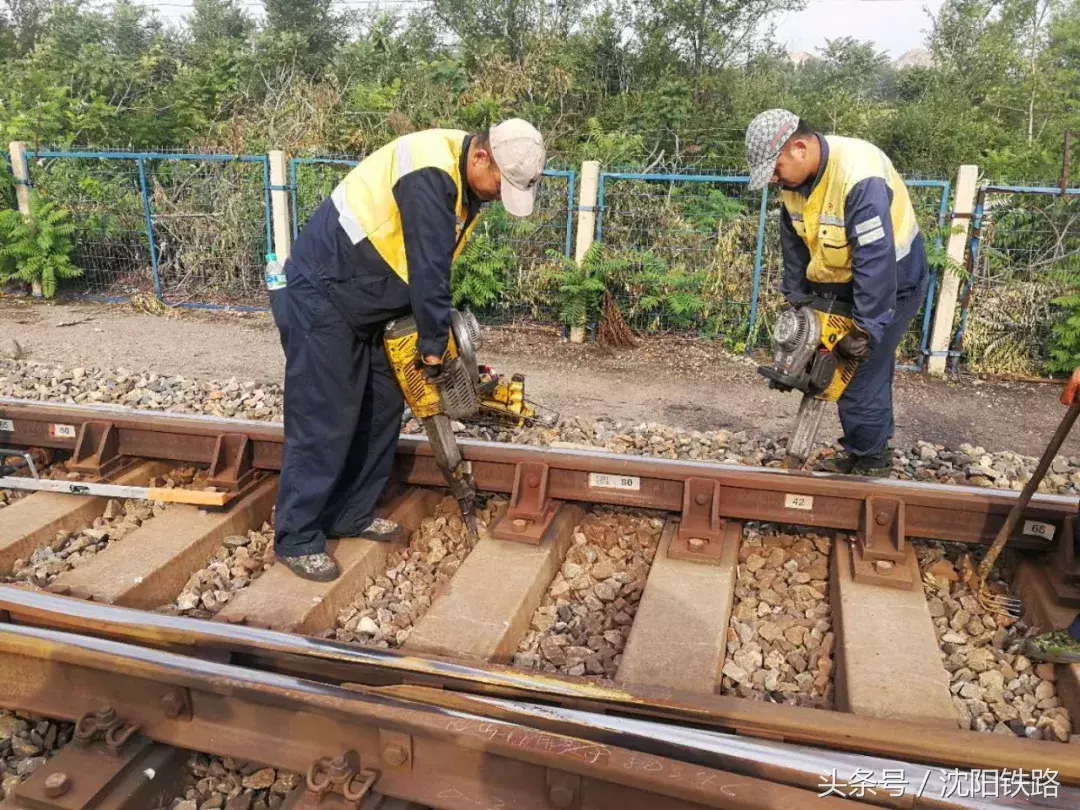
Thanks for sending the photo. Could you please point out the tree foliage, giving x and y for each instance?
(662, 83)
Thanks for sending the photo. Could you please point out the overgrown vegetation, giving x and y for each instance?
(36, 249)
(642, 84)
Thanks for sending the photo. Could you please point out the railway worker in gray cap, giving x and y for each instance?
(848, 231)
(378, 248)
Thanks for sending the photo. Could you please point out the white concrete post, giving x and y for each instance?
(586, 223)
(279, 204)
(19, 168)
(945, 311)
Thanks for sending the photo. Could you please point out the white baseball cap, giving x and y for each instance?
(519, 152)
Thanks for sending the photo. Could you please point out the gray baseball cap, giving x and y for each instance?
(765, 139)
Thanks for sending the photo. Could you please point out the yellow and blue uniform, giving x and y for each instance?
(378, 248)
(850, 232)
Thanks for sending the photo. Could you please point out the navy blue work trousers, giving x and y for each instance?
(1074, 628)
(343, 410)
(866, 406)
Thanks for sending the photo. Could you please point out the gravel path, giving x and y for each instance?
(780, 641)
(217, 783)
(995, 688)
(689, 384)
(25, 745)
(389, 605)
(584, 620)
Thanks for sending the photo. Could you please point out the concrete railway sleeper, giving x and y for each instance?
(738, 591)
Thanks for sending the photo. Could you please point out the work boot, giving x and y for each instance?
(879, 466)
(1057, 647)
(382, 530)
(841, 463)
(316, 567)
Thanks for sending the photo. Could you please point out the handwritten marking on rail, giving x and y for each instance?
(531, 740)
(677, 772)
(488, 802)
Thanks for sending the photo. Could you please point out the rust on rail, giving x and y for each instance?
(334, 662)
(944, 512)
(468, 760)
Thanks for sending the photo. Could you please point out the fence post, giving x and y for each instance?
(20, 169)
(279, 204)
(966, 179)
(148, 215)
(586, 223)
(759, 252)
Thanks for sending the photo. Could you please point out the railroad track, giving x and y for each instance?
(627, 631)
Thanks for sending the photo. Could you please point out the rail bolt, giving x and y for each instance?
(57, 784)
(173, 703)
(883, 566)
(395, 755)
(520, 525)
(561, 796)
(533, 480)
(881, 518)
(701, 498)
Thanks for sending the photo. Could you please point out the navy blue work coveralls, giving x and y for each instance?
(886, 295)
(343, 405)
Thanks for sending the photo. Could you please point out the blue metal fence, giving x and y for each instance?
(1023, 252)
(695, 245)
(719, 248)
(192, 228)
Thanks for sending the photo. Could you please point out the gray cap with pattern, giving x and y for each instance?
(765, 138)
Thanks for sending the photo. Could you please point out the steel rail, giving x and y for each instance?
(288, 722)
(335, 662)
(939, 511)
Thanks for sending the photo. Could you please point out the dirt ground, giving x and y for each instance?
(683, 383)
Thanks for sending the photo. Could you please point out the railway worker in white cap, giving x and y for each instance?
(378, 248)
(848, 231)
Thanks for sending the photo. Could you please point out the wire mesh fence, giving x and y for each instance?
(719, 254)
(311, 180)
(701, 254)
(211, 226)
(104, 194)
(1024, 256)
(7, 184)
(184, 227)
(694, 248)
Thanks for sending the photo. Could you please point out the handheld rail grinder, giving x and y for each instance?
(463, 391)
(805, 360)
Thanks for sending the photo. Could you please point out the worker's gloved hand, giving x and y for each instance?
(432, 371)
(855, 345)
(1072, 388)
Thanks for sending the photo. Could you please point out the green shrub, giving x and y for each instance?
(37, 248)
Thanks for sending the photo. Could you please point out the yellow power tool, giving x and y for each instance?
(464, 391)
(805, 338)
